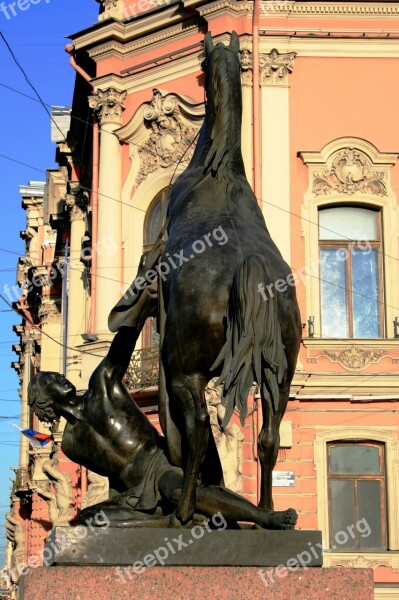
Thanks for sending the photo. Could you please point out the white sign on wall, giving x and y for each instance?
(283, 479)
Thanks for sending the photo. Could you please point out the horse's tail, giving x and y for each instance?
(254, 350)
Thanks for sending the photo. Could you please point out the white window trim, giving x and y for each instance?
(318, 162)
(360, 434)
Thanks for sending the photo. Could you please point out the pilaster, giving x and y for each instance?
(275, 71)
(245, 57)
(77, 301)
(109, 104)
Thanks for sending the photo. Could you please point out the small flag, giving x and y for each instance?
(36, 439)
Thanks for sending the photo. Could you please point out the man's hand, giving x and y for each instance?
(146, 305)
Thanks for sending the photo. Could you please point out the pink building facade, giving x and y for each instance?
(320, 142)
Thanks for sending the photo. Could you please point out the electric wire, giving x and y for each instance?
(39, 99)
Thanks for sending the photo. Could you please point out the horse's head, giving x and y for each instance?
(222, 123)
(220, 52)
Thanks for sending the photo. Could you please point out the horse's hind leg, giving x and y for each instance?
(190, 397)
(268, 447)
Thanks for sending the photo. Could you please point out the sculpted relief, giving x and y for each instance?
(161, 133)
(228, 439)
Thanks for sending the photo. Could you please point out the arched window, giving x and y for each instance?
(357, 496)
(351, 290)
(154, 217)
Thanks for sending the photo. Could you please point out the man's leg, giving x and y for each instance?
(214, 499)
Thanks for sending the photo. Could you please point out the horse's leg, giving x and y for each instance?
(190, 397)
(268, 447)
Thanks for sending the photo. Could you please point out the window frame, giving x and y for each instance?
(356, 477)
(386, 435)
(316, 163)
(348, 245)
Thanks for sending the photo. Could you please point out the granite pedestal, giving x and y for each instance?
(195, 583)
(191, 547)
(189, 564)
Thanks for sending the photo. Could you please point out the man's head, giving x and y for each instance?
(48, 394)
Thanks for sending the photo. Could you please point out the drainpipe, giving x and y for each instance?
(257, 148)
(94, 222)
(70, 49)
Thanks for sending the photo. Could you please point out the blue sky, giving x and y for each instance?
(37, 37)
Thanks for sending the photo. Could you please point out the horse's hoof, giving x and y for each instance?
(176, 523)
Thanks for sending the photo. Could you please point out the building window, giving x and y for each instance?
(154, 217)
(350, 272)
(356, 492)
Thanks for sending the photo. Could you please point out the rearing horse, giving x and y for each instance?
(217, 322)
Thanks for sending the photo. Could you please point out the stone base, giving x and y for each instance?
(196, 583)
(189, 547)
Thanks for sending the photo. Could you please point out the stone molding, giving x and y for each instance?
(109, 104)
(76, 203)
(276, 67)
(350, 171)
(371, 560)
(50, 312)
(352, 355)
(246, 63)
(302, 9)
(337, 9)
(161, 133)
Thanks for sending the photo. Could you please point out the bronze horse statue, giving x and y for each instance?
(216, 322)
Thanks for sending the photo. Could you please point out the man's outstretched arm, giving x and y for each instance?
(124, 342)
(124, 312)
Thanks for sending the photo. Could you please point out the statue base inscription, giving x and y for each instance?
(197, 546)
(196, 583)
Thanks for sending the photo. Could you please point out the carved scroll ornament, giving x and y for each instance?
(170, 140)
(350, 172)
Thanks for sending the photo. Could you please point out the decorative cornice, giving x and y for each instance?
(287, 8)
(109, 104)
(153, 40)
(339, 9)
(276, 67)
(233, 7)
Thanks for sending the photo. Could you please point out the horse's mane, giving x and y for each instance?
(220, 92)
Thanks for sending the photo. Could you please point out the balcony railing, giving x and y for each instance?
(143, 370)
